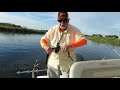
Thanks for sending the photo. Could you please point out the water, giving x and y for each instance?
(19, 52)
(97, 51)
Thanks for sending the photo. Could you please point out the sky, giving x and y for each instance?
(104, 23)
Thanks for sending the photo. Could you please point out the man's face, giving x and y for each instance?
(63, 23)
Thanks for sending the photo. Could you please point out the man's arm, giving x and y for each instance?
(80, 42)
(44, 42)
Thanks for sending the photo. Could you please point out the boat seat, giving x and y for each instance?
(109, 68)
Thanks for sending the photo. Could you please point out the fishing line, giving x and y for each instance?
(110, 50)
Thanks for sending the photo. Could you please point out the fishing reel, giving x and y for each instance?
(57, 48)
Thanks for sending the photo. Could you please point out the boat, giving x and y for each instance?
(107, 68)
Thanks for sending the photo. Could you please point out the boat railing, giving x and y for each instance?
(33, 71)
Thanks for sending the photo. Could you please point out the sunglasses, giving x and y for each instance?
(64, 20)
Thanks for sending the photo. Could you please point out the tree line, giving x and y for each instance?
(111, 36)
(8, 27)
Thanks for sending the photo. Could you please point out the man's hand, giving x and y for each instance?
(65, 48)
(48, 49)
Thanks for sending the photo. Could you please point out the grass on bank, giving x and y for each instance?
(101, 39)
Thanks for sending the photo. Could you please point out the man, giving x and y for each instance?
(60, 43)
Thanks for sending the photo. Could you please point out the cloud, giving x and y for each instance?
(96, 22)
(45, 16)
(30, 20)
(116, 26)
